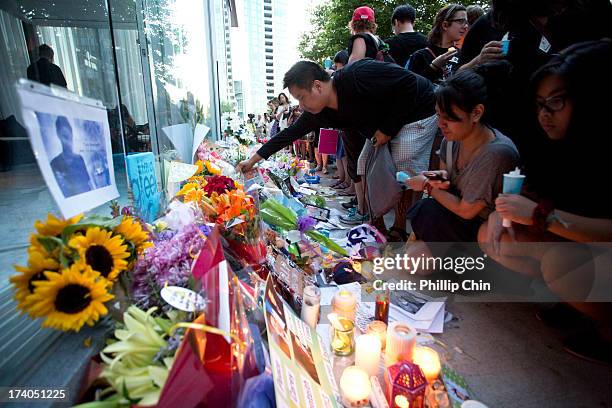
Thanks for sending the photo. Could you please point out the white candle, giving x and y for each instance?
(367, 353)
(428, 360)
(355, 387)
(344, 303)
(401, 340)
(311, 306)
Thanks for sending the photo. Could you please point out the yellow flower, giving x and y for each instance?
(187, 188)
(102, 251)
(212, 168)
(38, 263)
(132, 231)
(69, 299)
(54, 226)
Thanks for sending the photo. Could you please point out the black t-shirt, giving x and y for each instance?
(372, 95)
(45, 72)
(403, 45)
(371, 45)
(420, 63)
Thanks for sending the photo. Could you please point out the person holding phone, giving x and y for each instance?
(473, 158)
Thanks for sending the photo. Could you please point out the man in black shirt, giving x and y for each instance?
(44, 70)
(406, 40)
(368, 98)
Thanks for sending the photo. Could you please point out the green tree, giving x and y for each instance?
(330, 32)
(227, 107)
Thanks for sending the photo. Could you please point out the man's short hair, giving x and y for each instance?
(404, 14)
(303, 73)
(62, 122)
(341, 57)
(44, 51)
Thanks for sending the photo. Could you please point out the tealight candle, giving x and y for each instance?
(401, 340)
(355, 387)
(428, 360)
(344, 304)
(367, 353)
(379, 329)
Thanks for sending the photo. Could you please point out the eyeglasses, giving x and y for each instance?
(552, 104)
(461, 21)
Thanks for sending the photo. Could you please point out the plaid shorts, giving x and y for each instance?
(410, 148)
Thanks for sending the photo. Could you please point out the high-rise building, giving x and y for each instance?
(224, 52)
(271, 31)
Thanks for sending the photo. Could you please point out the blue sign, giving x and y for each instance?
(141, 172)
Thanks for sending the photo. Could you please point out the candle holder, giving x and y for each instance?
(401, 340)
(355, 387)
(343, 337)
(405, 385)
(379, 329)
(429, 362)
(344, 304)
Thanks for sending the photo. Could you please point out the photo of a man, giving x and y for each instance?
(68, 167)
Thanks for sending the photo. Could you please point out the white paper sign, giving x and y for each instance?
(183, 299)
(180, 171)
(182, 139)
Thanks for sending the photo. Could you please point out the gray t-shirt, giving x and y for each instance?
(482, 177)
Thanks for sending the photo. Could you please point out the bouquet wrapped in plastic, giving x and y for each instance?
(273, 213)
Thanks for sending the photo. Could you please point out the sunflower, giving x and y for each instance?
(69, 299)
(54, 226)
(132, 231)
(23, 282)
(102, 251)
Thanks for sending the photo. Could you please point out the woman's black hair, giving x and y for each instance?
(468, 88)
(584, 70)
(282, 94)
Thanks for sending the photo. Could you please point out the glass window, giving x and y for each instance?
(80, 41)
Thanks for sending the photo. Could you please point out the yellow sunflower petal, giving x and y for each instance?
(70, 299)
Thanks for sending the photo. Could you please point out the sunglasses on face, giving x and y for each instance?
(461, 21)
(551, 104)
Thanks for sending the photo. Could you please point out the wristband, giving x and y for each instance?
(540, 215)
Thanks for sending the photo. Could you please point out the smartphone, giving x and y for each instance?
(432, 175)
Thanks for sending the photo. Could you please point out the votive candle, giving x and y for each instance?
(344, 303)
(401, 340)
(367, 353)
(429, 361)
(355, 387)
(378, 329)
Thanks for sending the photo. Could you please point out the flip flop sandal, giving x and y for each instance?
(396, 234)
(341, 186)
(345, 194)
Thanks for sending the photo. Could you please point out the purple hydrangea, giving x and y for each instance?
(168, 261)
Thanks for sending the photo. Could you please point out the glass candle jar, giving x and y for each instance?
(343, 337)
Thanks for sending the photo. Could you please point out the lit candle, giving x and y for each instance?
(311, 305)
(344, 304)
(401, 401)
(367, 353)
(378, 329)
(401, 340)
(428, 360)
(355, 387)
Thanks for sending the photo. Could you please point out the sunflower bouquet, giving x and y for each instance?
(73, 265)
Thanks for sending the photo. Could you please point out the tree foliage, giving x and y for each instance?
(330, 19)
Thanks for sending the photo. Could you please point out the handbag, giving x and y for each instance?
(383, 190)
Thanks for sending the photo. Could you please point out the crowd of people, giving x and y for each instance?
(522, 85)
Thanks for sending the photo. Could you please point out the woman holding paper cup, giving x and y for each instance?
(550, 216)
(473, 158)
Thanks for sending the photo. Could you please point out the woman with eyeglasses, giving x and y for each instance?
(564, 218)
(439, 60)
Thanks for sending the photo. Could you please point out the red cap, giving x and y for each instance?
(363, 13)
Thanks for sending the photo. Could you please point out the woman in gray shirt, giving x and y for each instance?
(473, 159)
